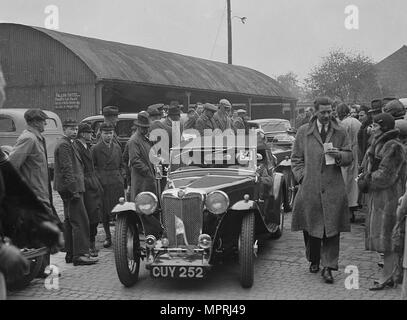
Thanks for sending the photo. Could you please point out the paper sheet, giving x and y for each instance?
(329, 160)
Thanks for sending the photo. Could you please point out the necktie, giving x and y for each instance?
(323, 133)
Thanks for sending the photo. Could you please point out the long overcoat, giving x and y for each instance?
(92, 197)
(142, 169)
(321, 204)
(351, 172)
(386, 160)
(29, 157)
(110, 171)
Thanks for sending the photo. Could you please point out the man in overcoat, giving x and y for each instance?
(350, 173)
(69, 182)
(93, 189)
(321, 205)
(109, 166)
(222, 116)
(206, 120)
(142, 169)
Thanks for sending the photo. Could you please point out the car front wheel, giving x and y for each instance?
(127, 250)
(246, 251)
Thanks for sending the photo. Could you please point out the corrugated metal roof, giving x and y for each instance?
(122, 62)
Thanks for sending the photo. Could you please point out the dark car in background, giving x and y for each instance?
(280, 137)
(123, 127)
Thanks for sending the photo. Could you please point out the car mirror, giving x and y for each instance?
(259, 157)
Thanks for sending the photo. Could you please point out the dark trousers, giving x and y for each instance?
(323, 251)
(93, 230)
(76, 225)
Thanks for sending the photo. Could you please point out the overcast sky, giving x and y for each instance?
(279, 35)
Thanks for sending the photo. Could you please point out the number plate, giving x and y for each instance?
(177, 272)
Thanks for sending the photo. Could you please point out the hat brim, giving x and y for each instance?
(143, 125)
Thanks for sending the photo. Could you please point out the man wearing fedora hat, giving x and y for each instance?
(142, 170)
(70, 184)
(108, 161)
(206, 121)
(171, 124)
(93, 189)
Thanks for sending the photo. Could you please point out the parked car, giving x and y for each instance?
(12, 124)
(123, 127)
(210, 210)
(281, 137)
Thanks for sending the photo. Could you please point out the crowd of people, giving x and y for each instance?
(345, 158)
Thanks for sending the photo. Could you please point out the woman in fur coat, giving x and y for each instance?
(385, 168)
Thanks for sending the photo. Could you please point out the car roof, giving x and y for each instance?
(131, 116)
(268, 120)
(18, 115)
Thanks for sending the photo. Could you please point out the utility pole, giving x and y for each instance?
(229, 32)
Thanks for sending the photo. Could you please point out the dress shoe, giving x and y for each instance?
(327, 275)
(381, 285)
(107, 243)
(84, 260)
(93, 252)
(313, 268)
(68, 258)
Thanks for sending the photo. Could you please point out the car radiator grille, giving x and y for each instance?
(188, 210)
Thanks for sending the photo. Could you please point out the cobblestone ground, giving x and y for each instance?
(281, 272)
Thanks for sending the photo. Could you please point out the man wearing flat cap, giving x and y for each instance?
(70, 184)
(110, 116)
(241, 123)
(376, 107)
(29, 156)
(206, 121)
(110, 169)
(155, 112)
(93, 189)
(222, 116)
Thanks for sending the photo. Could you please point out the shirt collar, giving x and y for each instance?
(319, 124)
(35, 131)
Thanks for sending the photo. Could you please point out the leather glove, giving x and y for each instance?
(12, 263)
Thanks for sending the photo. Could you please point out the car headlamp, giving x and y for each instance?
(204, 241)
(146, 203)
(217, 202)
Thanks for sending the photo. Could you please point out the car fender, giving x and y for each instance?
(125, 207)
(285, 163)
(277, 183)
(245, 205)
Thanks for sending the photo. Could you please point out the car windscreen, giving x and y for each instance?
(232, 158)
(275, 126)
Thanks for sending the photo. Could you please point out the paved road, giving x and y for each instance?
(281, 272)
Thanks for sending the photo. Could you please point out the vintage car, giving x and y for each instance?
(215, 206)
(12, 124)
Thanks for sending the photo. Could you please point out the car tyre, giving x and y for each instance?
(290, 190)
(246, 251)
(279, 232)
(127, 250)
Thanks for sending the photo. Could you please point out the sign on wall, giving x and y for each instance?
(67, 100)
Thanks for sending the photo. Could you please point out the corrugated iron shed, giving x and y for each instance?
(122, 62)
